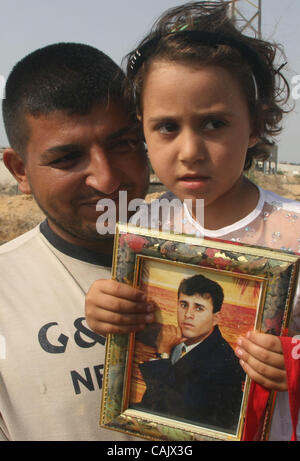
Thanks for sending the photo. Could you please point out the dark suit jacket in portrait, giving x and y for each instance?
(203, 387)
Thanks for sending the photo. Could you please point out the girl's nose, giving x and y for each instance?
(192, 148)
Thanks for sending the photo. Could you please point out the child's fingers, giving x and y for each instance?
(120, 311)
(113, 307)
(107, 303)
(262, 359)
(266, 341)
(264, 375)
(119, 290)
(103, 328)
(247, 348)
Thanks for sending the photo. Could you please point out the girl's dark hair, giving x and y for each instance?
(202, 33)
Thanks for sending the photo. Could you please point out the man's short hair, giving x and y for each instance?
(68, 77)
(198, 284)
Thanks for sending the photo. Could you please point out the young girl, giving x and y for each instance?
(208, 99)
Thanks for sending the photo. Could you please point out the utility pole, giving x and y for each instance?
(247, 15)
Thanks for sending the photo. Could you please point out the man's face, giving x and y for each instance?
(72, 161)
(195, 316)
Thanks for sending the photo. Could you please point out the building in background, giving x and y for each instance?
(268, 163)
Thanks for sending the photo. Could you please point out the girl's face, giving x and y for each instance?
(197, 127)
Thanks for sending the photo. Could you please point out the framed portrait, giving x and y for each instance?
(179, 378)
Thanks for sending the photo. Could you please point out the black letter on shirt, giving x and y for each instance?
(87, 381)
(46, 345)
(90, 334)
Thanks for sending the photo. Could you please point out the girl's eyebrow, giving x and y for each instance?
(204, 115)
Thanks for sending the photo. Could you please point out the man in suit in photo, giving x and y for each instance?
(196, 376)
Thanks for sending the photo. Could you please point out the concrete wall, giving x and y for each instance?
(289, 169)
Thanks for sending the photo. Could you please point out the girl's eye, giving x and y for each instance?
(214, 124)
(167, 128)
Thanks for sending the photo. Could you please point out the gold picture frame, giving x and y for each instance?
(144, 393)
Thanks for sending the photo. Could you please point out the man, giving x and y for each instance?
(197, 376)
(72, 142)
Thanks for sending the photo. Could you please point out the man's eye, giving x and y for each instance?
(65, 160)
(124, 145)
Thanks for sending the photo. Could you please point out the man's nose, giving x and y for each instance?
(191, 147)
(101, 174)
(189, 313)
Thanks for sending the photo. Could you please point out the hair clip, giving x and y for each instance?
(134, 58)
(179, 29)
(255, 86)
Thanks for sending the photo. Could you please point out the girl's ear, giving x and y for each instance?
(16, 165)
(253, 140)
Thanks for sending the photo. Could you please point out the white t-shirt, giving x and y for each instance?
(274, 223)
(51, 364)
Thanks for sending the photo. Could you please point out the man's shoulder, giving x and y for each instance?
(217, 345)
(27, 239)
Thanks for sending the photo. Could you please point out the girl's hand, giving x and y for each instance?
(113, 307)
(261, 357)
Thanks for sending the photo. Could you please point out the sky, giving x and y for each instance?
(116, 26)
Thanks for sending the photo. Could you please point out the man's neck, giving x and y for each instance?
(102, 246)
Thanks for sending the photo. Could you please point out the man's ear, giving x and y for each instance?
(15, 164)
(216, 318)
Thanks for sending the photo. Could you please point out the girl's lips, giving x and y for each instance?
(194, 182)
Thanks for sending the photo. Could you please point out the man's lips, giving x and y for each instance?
(187, 325)
(92, 201)
(115, 196)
